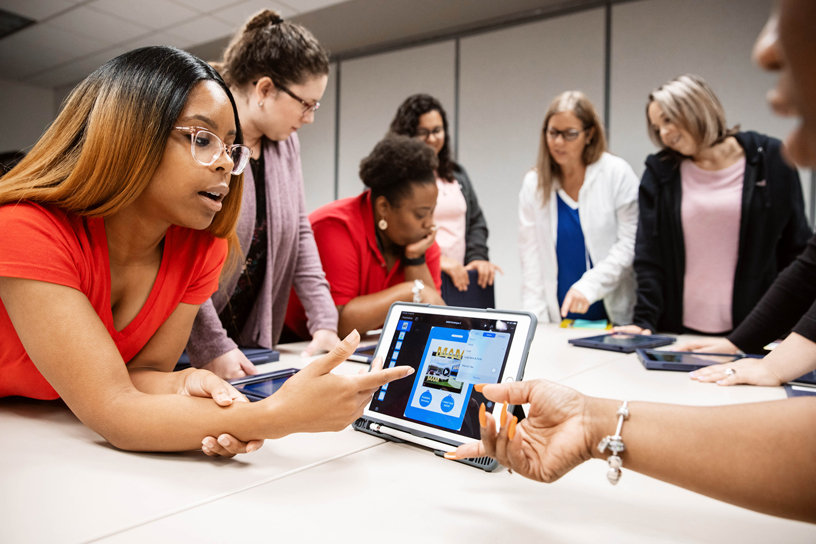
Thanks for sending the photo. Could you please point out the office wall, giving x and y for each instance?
(507, 80)
(371, 90)
(25, 111)
(317, 148)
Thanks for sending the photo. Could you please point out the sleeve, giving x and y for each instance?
(206, 283)
(476, 235)
(796, 232)
(533, 298)
(340, 258)
(791, 298)
(605, 276)
(39, 245)
(433, 257)
(310, 282)
(208, 339)
(648, 262)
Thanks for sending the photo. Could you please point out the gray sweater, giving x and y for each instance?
(292, 260)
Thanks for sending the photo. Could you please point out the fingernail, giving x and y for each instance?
(223, 397)
(479, 387)
(719, 382)
(205, 449)
(224, 441)
(352, 335)
(503, 418)
(250, 448)
(692, 374)
(482, 416)
(410, 371)
(451, 455)
(511, 430)
(208, 443)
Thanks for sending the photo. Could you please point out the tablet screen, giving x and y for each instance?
(266, 386)
(623, 339)
(450, 355)
(691, 358)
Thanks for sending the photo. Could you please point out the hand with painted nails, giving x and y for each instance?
(746, 371)
(317, 400)
(550, 442)
(203, 383)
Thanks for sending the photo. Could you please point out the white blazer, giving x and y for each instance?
(608, 210)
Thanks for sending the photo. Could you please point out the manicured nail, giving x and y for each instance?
(223, 397)
(451, 455)
(692, 374)
(224, 441)
(503, 418)
(511, 430)
(208, 443)
(482, 416)
(205, 449)
(479, 387)
(352, 336)
(250, 448)
(410, 371)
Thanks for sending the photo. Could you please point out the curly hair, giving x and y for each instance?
(406, 122)
(396, 163)
(269, 46)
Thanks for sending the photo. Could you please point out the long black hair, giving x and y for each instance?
(406, 122)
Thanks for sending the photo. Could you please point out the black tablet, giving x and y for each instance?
(685, 361)
(260, 386)
(363, 354)
(623, 342)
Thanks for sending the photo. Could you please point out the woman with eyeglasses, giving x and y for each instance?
(721, 214)
(277, 72)
(115, 229)
(378, 247)
(577, 219)
(462, 229)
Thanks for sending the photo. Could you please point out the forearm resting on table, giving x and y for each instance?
(368, 312)
(757, 456)
(795, 356)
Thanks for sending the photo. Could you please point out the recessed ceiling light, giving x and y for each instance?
(11, 23)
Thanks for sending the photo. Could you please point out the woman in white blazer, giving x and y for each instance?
(589, 199)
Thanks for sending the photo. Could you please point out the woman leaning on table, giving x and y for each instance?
(721, 214)
(578, 213)
(462, 229)
(378, 247)
(758, 456)
(115, 229)
(277, 72)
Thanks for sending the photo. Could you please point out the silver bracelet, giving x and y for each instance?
(615, 445)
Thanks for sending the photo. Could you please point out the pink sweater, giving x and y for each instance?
(710, 211)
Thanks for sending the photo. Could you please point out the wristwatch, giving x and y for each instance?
(417, 290)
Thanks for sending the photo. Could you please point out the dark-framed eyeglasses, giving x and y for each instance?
(207, 148)
(306, 105)
(569, 135)
(424, 134)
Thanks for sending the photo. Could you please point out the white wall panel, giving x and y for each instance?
(507, 80)
(317, 148)
(372, 88)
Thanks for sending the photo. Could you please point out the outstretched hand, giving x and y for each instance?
(550, 442)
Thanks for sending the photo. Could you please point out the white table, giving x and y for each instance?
(61, 482)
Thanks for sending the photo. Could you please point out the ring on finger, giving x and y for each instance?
(730, 371)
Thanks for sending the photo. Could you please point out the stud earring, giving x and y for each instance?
(260, 104)
(383, 224)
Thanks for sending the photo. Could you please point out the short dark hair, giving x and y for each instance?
(269, 46)
(406, 122)
(395, 164)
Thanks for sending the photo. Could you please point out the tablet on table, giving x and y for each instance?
(623, 342)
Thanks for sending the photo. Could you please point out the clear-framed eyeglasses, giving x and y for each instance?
(206, 148)
(569, 135)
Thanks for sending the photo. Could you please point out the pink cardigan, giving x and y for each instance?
(292, 259)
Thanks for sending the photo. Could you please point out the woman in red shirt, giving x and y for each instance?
(378, 248)
(114, 231)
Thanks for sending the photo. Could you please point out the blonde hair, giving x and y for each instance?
(577, 103)
(689, 103)
(104, 146)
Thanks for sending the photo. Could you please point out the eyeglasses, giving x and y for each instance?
(306, 105)
(569, 135)
(424, 134)
(206, 148)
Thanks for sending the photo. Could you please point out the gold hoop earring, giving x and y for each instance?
(383, 224)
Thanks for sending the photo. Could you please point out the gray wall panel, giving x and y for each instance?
(371, 90)
(507, 80)
(317, 149)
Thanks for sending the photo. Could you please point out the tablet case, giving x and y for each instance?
(473, 297)
(594, 342)
(365, 423)
(682, 367)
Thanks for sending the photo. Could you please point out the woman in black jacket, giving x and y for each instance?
(704, 257)
(422, 116)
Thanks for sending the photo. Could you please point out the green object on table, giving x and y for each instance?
(587, 324)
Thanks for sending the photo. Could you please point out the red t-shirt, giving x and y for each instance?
(47, 244)
(354, 266)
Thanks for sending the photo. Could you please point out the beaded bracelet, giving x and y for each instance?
(615, 445)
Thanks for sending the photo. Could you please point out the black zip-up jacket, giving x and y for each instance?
(773, 232)
(475, 224)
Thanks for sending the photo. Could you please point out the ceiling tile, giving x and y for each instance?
(37, 10)
(158, 38)
(238, 14)
(206, 6)
(98, 25)
(155, 14)
(201, 30)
